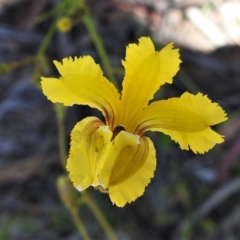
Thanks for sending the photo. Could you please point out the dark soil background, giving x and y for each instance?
(192, 196)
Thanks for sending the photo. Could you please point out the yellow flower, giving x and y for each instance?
(115, 155)
(64, 24)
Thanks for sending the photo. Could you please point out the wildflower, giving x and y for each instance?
(116, 156)
(64, 24)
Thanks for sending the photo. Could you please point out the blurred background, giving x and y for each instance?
(191, 196)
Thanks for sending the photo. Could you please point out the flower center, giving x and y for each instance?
(116, 131)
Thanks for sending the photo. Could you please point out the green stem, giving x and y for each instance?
(99, 216)
(60, 113)
(68, 196)
(79, 224)
(48, 37)
(89, 24)
(21, 63)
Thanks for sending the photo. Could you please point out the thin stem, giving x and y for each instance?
(79, 224)
(48, 37)
(89, 24)
(60, 113)
(21, 63)
(68, 197)
(99, 216)
(5, 68)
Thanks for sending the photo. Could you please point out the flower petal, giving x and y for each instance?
(128, 167)
(146, 70)
(82, 82)
(89, 138)
(186, 119)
